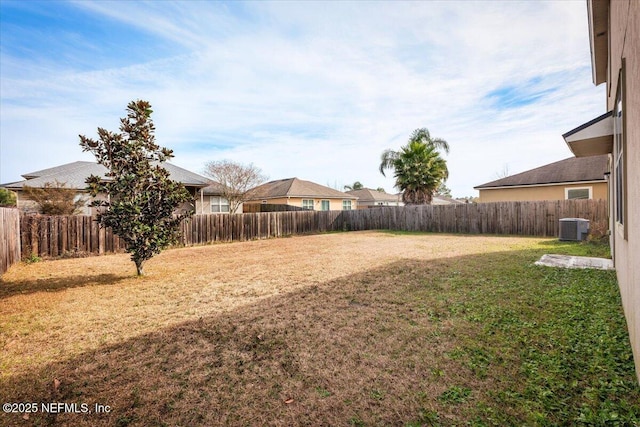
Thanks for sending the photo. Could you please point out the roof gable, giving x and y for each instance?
(75, 174)
(573, 169)
(294, 187)
(444, 200)
(66, 168)
(369, 195)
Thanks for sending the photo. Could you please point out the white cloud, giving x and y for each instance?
(318, 90)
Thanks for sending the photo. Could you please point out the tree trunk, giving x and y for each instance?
(139, 269)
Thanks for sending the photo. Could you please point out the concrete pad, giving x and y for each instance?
(566, 261)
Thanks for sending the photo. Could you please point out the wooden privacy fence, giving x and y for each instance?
(201, 229)
(66, 235)
(9, 237)
(539, 218)
(79, 235)
(70, 235)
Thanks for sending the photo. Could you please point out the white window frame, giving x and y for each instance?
(618, 164)
(567, 189)
(219, 204)
(347, 205)
(619, 174)
(308, 204)
(322, 205)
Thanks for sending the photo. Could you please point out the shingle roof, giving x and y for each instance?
(75, 174)
(367, 195)
(214, 189)
(66, 168)
(573, 169)
(294, 187)
(444, 200)
(186, 177)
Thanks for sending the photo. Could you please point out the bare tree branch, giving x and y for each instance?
(235, 180)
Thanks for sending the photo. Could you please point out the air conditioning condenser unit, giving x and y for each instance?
(574, 229)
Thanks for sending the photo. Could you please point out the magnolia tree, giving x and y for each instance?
(141, 199)
(235, 180)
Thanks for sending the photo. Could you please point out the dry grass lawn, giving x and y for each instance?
(332, 329)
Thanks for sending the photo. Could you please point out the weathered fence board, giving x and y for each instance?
(54, 236)
(9, 238)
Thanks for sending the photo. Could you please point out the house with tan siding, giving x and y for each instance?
(302, 194)
(572, 178)
(614, 38)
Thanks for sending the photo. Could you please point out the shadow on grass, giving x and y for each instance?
(11, 288)
(376, 348)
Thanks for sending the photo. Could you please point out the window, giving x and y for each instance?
(325, 205)
(219, 204)
(619, 160)
(307, 204)
(578, 193)
(346, 205)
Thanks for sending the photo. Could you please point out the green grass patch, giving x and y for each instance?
(455, 394)
(554, 339)
(590, 248)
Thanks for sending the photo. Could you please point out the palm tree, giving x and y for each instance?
(355, 186)
(418, 168)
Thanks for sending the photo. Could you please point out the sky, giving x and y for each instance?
(314, 90)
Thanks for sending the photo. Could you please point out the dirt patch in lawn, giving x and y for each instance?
(366, 328)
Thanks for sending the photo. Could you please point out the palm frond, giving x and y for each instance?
(387, 160)
(423, 136)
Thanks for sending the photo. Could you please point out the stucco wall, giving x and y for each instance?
(334, 204)
(625, 43)
(550, 192)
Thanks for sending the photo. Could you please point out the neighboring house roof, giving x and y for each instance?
(74, 175)
(367, 195)
(444, 200)
(214, 189)
(294, 187)
(571, 170)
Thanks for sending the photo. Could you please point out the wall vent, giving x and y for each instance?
(574, 229)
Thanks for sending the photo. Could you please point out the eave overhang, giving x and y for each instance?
(592, 138)
(598, 13)
(546, 184)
